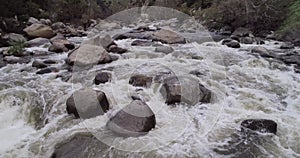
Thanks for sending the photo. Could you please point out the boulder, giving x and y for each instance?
(87, 55)
(143, 43)
(184, 89)
(116, 49)
(247, 40)
(135, 119)
(287, 45)
(58, 48)
(102, 77)
(104, 41)
(33, 20)
(242, 32)
(168, 36)
(164, 49)
(39, 30)
(259, 125)
(39, 64)
(47, 70)
(140, 80)
(235, 37)
(87, 103)
(37, 42)
(233, 44)
(80, 145)
(262, 51)
(46, 22)
(13, 37)
(58, 25)
(15, 60)
(133, 35)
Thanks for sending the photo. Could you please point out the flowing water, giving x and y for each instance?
(33, 118)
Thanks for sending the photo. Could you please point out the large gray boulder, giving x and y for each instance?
(87, 103)
(136, 119)
(39, 30)
(37, 42)
(168, 36)
(185, 89)
(87, 55)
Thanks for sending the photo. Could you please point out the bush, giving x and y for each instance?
(16, 48)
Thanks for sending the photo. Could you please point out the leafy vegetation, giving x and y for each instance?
(293, 20)
(16, 48)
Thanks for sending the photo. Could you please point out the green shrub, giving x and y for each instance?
(16, 48)
(293, 20)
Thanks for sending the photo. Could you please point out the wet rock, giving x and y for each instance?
(80, 145)
(233, 44)
(102, 77)
(168, 36)
(87, 103)
(259, 125)
(262, 51)
(259, 41)
(47, 70)
(49, 61)
(133, 35)
(136, 119)
(247, 40)
(184, 89)
(116, 49)
(39, 64)
(37, 42)
(65, 76)
(2, 62)
(15, 60)
(88, 55)
(144, 43)
(39, 30)
(61, 42)
(287, 45)
(140, 80)
(235, 37)
(164, 49)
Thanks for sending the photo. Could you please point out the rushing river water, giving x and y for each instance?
(34, 120)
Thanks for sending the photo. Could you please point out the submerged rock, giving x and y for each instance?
(259, 125)
(184, 89)
(164, 49)
(87, 103)
(136, 119)
(47, 70)
(39, 64)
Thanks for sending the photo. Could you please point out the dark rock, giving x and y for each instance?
(233, 44)
(225, 41)
(184, 89)
(262, 51)
(259, 125)
(140, 80)
(39, 64)
(132, 36)
(37, 42)
(116, 49)
(87, 103)
(80, 145)
(102, 77)
(259, 41)
(144, 43)
(47, 70)
(235, 37)
(287, 45)
(247, 40)
(60, 44)
(46, 22)
(32, 20)
(12, 25)
(15, 60)
(2, 62)
(65, 76)
(49, 61)
(168, 36)
(164, 49)
(136, 119)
